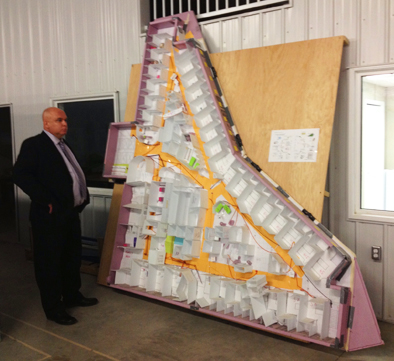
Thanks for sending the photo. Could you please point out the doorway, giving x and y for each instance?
(7, 189)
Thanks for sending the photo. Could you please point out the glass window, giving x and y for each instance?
(377, 145)
(7, 195)
(88, 123)
(370, 127)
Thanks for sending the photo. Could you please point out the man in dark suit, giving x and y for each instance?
(47, 171)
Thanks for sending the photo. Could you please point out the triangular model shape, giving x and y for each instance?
(363, 327)
(202, 226)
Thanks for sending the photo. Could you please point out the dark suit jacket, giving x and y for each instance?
(42, 174)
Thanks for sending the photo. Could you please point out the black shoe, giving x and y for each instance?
(82, 302)
(62, 318)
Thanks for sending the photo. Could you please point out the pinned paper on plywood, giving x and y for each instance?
(294, 145)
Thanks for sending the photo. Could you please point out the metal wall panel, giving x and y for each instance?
(144, 15)
(212, 33)
(107, 204)
(142, 47)
(273, 29)
(388, 253)
(4, 19)
(62, 48)
(321, 13)
(347, 230)
(296, 24)
(346, 15)
(391, 32)
(100, 217)
(368, 235)
(231, 35)
(338, 165)
(251, 33)
(87, 220)
(373, 31)
(95, 215)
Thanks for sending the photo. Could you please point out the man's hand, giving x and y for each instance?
(50, 208)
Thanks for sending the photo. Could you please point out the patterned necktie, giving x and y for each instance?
(77, 169)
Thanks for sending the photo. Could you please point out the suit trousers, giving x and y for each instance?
(57, 256)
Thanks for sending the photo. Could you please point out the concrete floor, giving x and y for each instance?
(127, 327)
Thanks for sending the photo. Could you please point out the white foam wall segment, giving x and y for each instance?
(150, 105)
(139, 273)
(203, 290)
(155, 278)
(123, 277)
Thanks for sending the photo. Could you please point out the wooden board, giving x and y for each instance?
(132, 94)
(110, 233)
(287, 86)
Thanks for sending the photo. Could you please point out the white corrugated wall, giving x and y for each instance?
(67, 47)
(51, 48)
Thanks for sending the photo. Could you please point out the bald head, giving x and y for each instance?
(55, 122)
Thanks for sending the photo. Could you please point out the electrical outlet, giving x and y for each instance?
(376, 253)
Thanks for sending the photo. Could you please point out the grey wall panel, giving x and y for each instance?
(338, 166)
(391, 31)
(63, 48)
(388, 255)
(212, 33)
(320, 19)
(107, 204)
(145, 14)
(4, 20)
(87, 220)
(231, 35)
(296, 22)
(142, 47)
(250, 37)
(100, 217)
(373, 31)
(273, 28)
(95, 216)
(369, 235)
(346, 15)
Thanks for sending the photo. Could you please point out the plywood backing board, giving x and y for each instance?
(287, 86)
(132, 93)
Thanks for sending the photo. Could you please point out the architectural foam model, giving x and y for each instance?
(203, 227)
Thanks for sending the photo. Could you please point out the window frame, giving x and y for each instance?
(355, 212)
(14, 156)
(91, 97)
(54, 102)
(217, 14)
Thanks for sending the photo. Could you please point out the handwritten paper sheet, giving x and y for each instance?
(294, 145)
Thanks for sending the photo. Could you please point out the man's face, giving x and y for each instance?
(55, 122)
